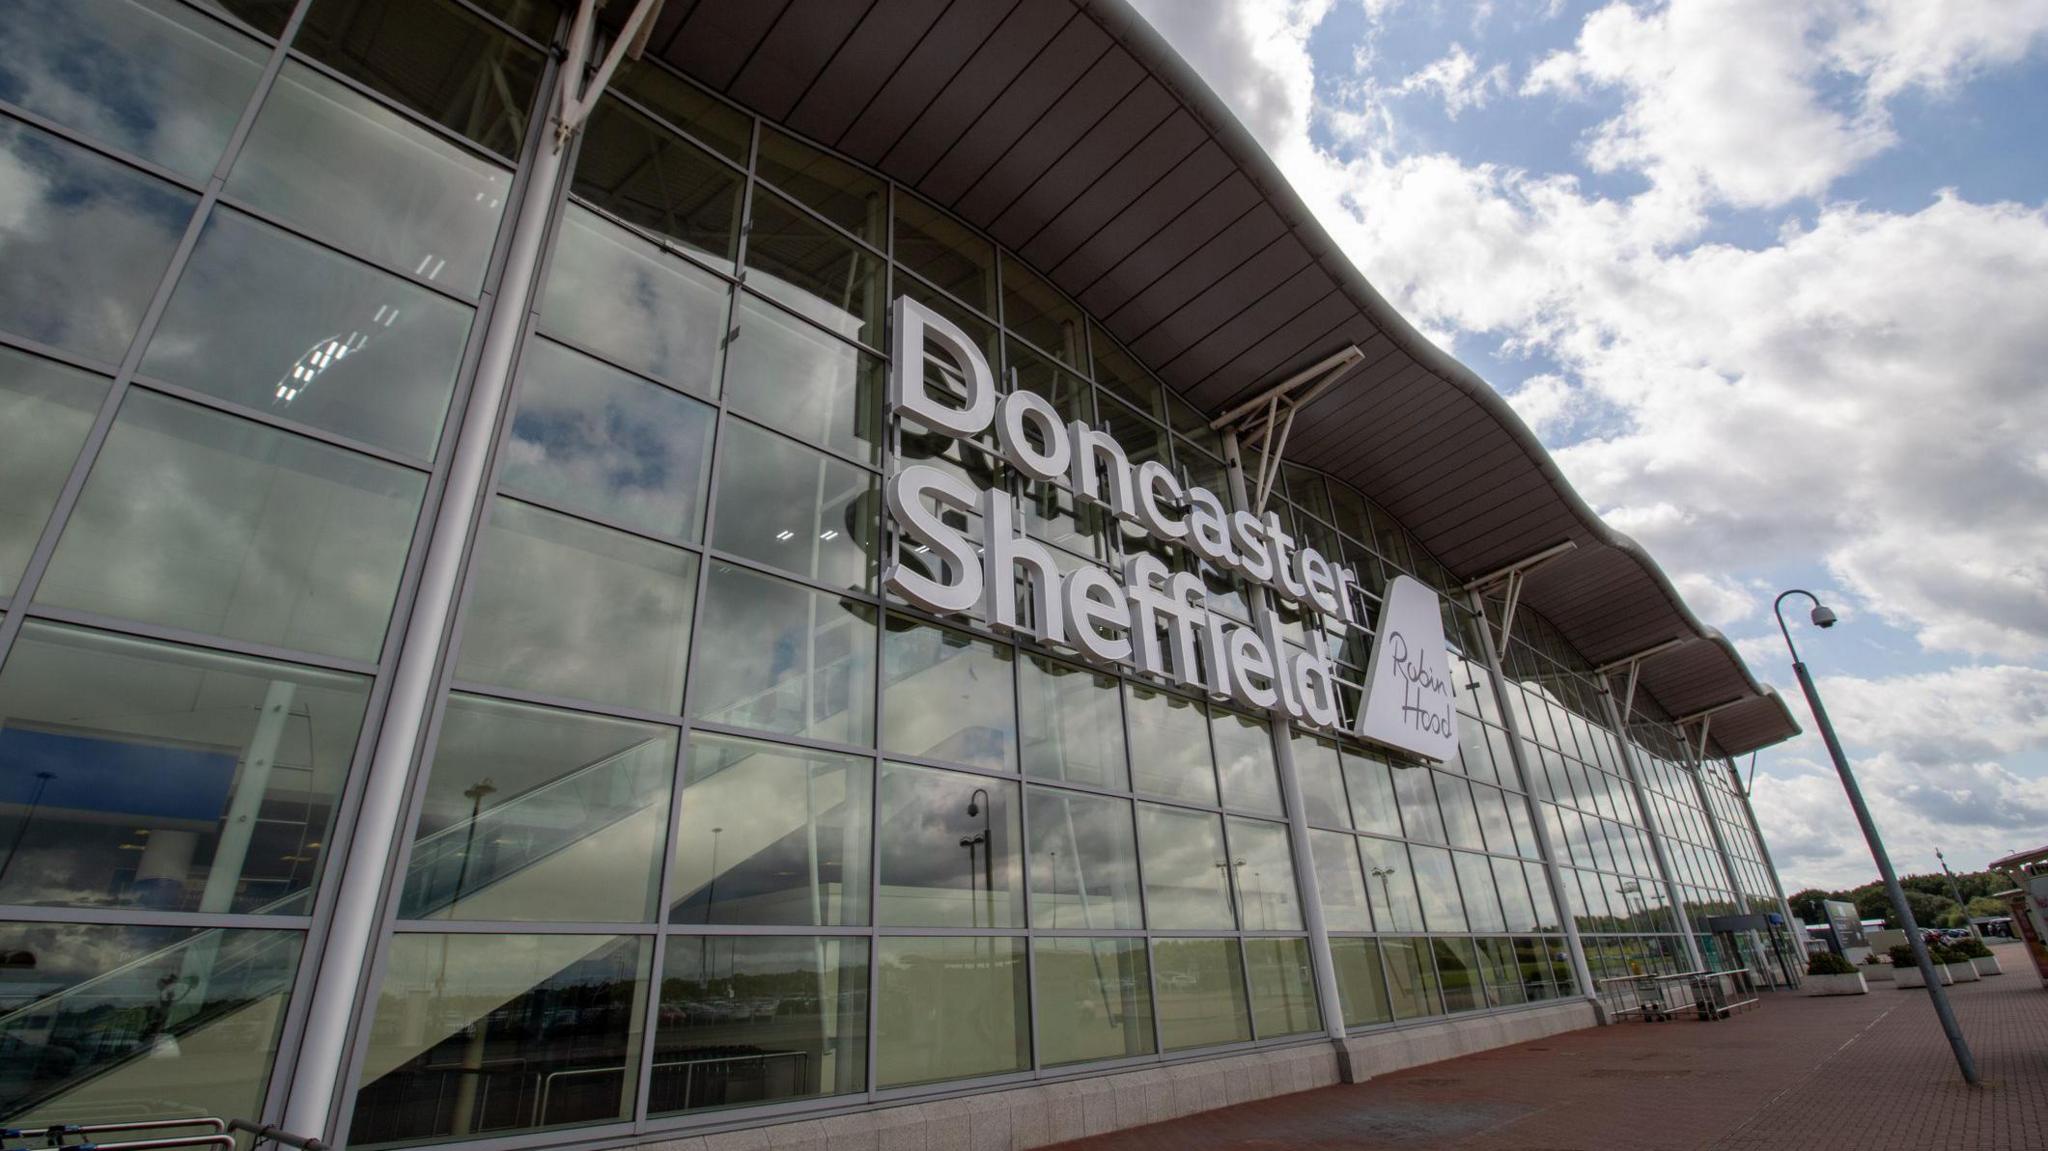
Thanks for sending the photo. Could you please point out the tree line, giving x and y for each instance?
(1929, 896)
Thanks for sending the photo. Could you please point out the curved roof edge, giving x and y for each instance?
(1144, 42)
(1071, 133)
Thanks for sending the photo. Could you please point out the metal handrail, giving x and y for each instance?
(221, 1141)
(275, 1134)
(56, 1133)
(540, 1107)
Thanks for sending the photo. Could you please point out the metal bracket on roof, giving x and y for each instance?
(1513, 575)
(1706, 718)
(1634, 664)
(1280, 403)
(630, 43)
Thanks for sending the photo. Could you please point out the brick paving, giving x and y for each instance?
(1869, 1072)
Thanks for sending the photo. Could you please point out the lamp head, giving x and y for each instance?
(1823, 616)
(973, 808)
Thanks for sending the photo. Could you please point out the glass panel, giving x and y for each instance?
(1200, 986)
(593, 439)
(1461, 820)
(1121, 376)
(1475, 879)
(948, 695)
(1418, 804)
(1503, 973)
(1283, 987)
(1170, 747)
(759, 1019)
(46, 409)
(640, 172)
(487, 1033)
(86, 240)
(1244, 763)
(112, 69)
(1457, 969)
(779, 657)
(1084, 861)
(835, 189)
(434, 57)
(199, 520)
(272, 322)
(1493, 818)
(1265, 875)
(1184, 866)
(951, 1009)
(794, 259)
(536, 814)
(143, 775)
(1373, 805)
(1360, 982)
(1032, 308)
(1411, 978)
(624, 298)
(1073, 724)
(1390, 883)
(941, 249)
(688, 107)
(1339, 882)
(561, 606)
(796, 379)
(949, 850)
(139, 1022)
(1437, 880)
(794, 508)
(433, 209)
(1541, 898)
(1317, 770)
(1514, 896)
(748, 852)
(1532, 956)
(1094, 999)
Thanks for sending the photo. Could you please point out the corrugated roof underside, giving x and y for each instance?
(1070, 136)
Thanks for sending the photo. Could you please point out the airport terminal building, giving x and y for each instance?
(868, 575)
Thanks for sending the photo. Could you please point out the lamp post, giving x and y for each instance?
(1956, 890)
(1386, 891)
(978, 804)
(1824, 618)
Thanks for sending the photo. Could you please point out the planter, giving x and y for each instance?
(1850, 984)
(1876, 972)
(1908, 977)
(1962, 972)
(1987, 965)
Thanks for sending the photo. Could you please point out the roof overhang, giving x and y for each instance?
(1071, 132)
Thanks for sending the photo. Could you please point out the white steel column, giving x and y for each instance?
(1581, 970)
(312, 1104)
(1290, 787)
(1792, 929)
(1650, 827)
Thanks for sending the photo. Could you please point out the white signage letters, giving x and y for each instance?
(1409, 700)
(1157, 620)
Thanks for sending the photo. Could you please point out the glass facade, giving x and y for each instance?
(702, 822)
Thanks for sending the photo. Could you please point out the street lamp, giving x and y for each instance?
(1957, 891)
(1386, 892)
(1823, 618)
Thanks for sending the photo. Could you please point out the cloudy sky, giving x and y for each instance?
(1771, 281)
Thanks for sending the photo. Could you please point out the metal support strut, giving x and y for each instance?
(1269, 431)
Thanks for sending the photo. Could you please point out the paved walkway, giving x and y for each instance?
(1868, 1072)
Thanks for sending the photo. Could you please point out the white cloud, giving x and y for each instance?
(1718, 600)
(1862, 391)
(1901, 44)
(1721, 96)
(1457, 80)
